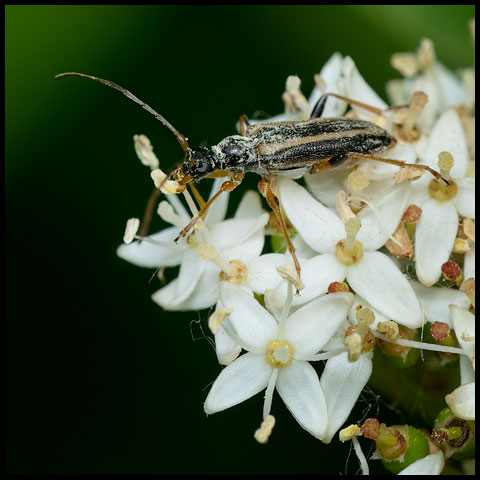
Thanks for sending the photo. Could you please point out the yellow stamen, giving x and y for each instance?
(350, 432)
(389, 328)
(279, 353)
(217, 318)
(263, 433)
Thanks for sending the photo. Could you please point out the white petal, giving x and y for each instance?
(467, 373)
(317, 274)
(434, 237)
(356, 87)
(145, 254)
(242, 379)
(300, 389)
(378, 280)
(447, 135)
(218, 210)
(250, 206)
(252, 323)
(226, 348)
(342, 382)
(330, 74)
(469, 264)
(247, 250)
(303, 250)
(462, 401)
(380, 219)
(453, 90)
(262, 271)
(430, 465)
(375, 170)
(203, 295)
(435, 301)
(319, 227)
(464, 200)
(311, 326)
(464, 326)
(325, 185)
(235, 231)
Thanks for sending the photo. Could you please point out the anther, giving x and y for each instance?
(161, 181)
(468, 288)
(452, 272)
(349, 433)
(357, 181)
(289, 274)
(144, 151)
(445, 163)
(263, 433)
(217, 318)
(131, 230)
(389, 328)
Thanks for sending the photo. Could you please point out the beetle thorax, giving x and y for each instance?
(235, 154)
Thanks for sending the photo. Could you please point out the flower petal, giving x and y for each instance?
(242, 379)
(447, 135)
(462, 401)
(300, 389)
(375, 170)
(144, 254)
(342, 382)
(469, 264)
(203, 295)
(378, 280)
(227, 350)
(262, 271)
(218, 210)
(249, 249)
(356, 87)
(435, 301)
(380, 219)
(430, 465)
(252, 323)
(325, 185)
(464, 200)
(311, 326)
(250, 206)
(235, 231)
(434, 237)
(330, 74)
(319, 227)
(464, 326)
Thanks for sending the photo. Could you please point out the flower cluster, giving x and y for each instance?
(386, 255)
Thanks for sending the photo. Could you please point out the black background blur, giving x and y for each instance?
(98, 378)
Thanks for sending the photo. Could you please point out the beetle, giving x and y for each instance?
(291, 148)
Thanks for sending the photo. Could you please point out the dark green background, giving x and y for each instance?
(99, 379)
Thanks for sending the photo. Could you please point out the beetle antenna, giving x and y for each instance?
(181, 139)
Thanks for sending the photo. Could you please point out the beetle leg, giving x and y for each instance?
(266, 186)
(148, 213)
(227, 186)
(401, 164)
(243, 124)
(320, 105)
(332, 162)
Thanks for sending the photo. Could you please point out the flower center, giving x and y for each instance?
(237, 273)
(346, 256)
(279, 353)
(441, 192)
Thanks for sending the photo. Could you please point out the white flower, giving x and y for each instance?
(277, 355)
(462, 400)
(374, 276)
(437, 228)
(196, 287)
(430, 465)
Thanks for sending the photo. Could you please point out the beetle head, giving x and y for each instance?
(198, 164)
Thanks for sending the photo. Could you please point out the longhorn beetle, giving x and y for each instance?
(291, 148)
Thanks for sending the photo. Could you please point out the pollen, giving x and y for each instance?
(263, 433)
(349, 433)
(279, 353)
(237, 274)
